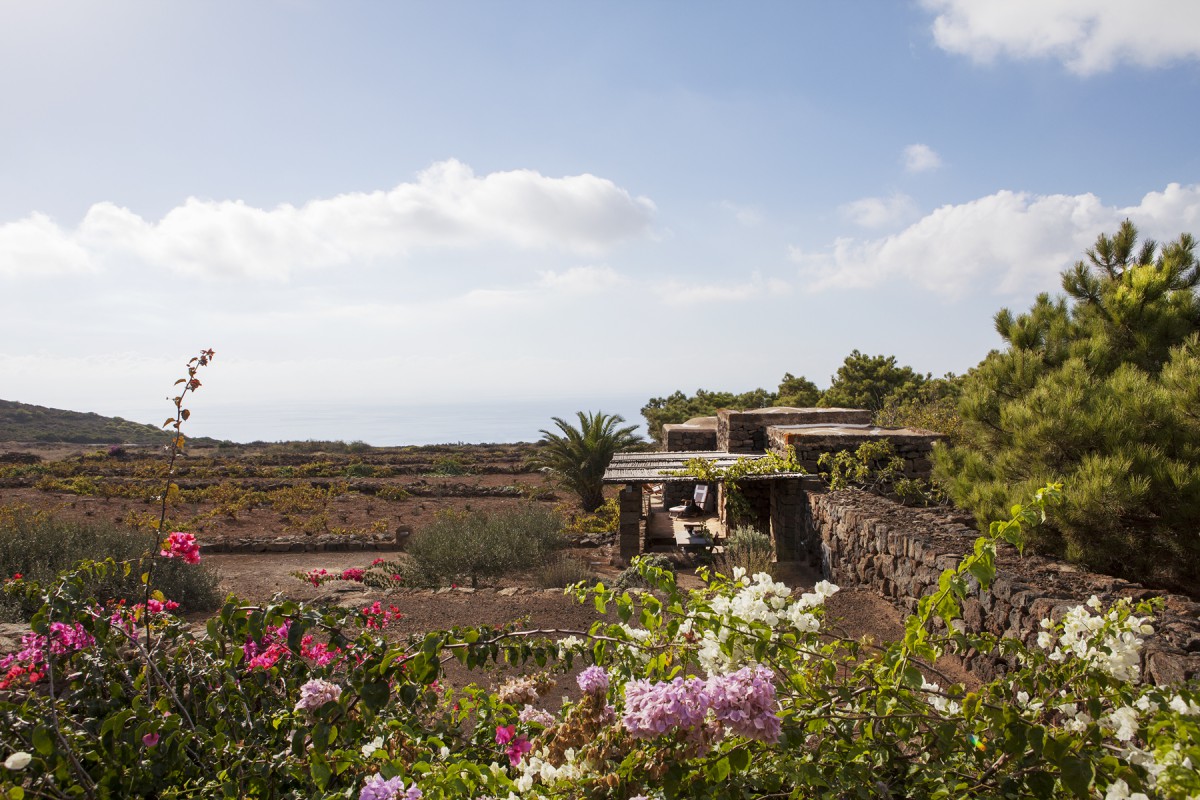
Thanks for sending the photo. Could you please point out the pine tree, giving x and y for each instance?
(864, 381)
(1098, 389)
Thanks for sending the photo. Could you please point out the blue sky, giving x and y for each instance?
(417, 202)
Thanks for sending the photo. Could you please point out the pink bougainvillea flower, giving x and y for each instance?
(182, 545)
(353, 574)
(517, 750)
(505, 733)
(150, 739)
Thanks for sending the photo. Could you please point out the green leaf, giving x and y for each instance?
(321, 773)
(42, 741)
(1040, 784)
(625, 607)
(739, 759)
(719, 771)
(1077, 775)
(374, 694)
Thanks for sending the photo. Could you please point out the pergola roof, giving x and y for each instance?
(657, 467)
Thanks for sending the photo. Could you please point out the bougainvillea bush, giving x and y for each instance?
(729, 691)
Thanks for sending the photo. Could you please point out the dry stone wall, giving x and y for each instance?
(859, 539)
(688, 437)
(746, 431)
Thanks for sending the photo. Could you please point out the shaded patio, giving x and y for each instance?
(653, 482)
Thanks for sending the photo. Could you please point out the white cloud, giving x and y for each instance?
(1007, 242)
(880, 212)
(921, 158)
(697, 292)
(582, 280)
(36, 246)
(1088, 36)
(746, 216)
(448, 206)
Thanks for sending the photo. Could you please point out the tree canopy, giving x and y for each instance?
(1098, 389)
(868, 381)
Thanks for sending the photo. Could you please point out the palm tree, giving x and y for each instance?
(577, 457)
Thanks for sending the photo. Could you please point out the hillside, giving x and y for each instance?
(21, 422)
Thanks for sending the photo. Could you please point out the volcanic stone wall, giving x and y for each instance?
(746, 431)
(859, 539)
(914, 446)
(690, 437)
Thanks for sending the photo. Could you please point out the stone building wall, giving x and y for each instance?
(758, 497)
(746, 431)
(859, 539)
(677, 492)
(687, 437)
(915, 447)
(787, 516)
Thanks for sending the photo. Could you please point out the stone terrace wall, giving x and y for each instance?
(746, 431)
(914, 446)
(859, 539)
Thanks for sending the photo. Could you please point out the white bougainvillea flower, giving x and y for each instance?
(18, 760)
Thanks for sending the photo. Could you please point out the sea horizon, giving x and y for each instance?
(394, 424)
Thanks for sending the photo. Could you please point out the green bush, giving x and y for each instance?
(748, 548)
(451, 466)
(38, 546)
(562, 571)
(631, 577)
(474, 545)
(605, 519)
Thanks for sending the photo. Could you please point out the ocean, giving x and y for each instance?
(387, 425)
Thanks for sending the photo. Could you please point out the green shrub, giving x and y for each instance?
(631, 577)
(875, 467)
(39, 546)
(450, 465)
(476, 545)
(562, 571)
(359, 470)
(748, 548)
(393, 493)
(605, 519)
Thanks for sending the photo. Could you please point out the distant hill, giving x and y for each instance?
(21, 422)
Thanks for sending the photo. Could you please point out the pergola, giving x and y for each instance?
(635, 470)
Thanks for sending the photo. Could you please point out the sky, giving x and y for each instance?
(364, 204)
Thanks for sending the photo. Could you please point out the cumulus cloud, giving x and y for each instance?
(1006, 242)
(880, 212)
(1088, 36)
(37, 246)
(921, 158)
(448, 206)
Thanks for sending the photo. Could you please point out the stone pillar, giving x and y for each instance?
(630, 535)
